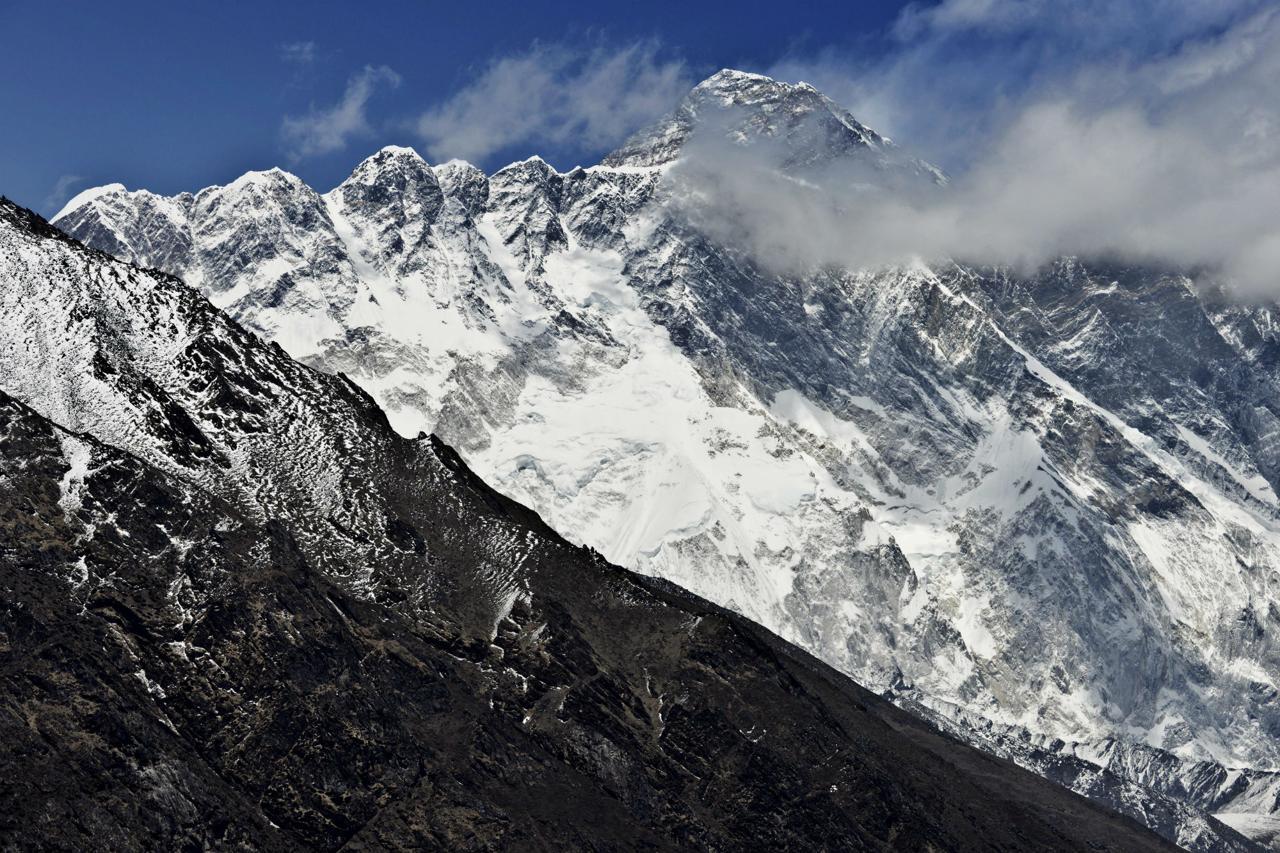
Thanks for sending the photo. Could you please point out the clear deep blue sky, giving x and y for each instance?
(174, 96)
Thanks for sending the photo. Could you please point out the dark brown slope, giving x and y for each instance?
(606, 714)
(183, 669)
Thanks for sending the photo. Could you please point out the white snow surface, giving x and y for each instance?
(80, 199)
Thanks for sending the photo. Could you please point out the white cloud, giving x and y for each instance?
(1171, 155)
(1091, 27)
(960, 71)
(951, 15)
(327, 129)
(553, 94)
(299, 52)
(61, 192)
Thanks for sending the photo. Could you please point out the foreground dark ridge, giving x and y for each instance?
(240, 612)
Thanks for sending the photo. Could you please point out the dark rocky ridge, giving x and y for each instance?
(194, 666)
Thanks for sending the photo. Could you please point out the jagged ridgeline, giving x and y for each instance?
(240, 612)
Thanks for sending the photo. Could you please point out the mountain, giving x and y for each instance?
(805, 125)
(1040, 507)
(241, 612)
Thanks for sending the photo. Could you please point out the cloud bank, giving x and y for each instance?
(553, 94)
(1151, 134)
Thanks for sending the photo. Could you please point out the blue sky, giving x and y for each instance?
(179, 95)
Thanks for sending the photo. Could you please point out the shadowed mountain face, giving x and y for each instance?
(240, 612)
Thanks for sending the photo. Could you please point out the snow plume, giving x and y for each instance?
(329, 129)
(61, 191)
(299, 52)
(1158, 140)
(552, 94)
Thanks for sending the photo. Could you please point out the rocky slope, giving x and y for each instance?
(1039, 505)
(240, 612)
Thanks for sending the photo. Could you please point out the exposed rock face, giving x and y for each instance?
(240, 612)
(1044, 505)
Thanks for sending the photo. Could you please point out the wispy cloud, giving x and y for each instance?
(1096, 24)
(959, 72)
(553, 94)
(1159, 139)
(327, 129)
(302, 53)
(61, 192)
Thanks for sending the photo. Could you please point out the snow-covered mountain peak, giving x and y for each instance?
(534, 180)
(258, 216)
(388, 159)
(730, 87)
(267, 207)
(745, 89)
(267, 181)
(149, 229)
(526, 199)
(732, 76)
(744, 108)
(399, 151)
(530, 169)
(467, 183)
(86, 196)
(393, 185)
